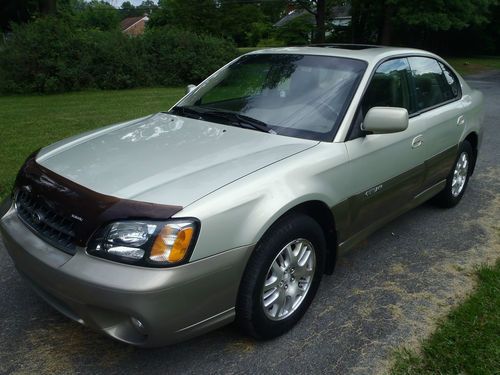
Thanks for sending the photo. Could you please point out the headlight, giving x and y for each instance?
(146, 243)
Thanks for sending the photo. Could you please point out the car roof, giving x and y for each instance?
(369, 53)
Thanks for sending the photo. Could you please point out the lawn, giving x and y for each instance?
(30, 122)
(468, 341)
(471, 65)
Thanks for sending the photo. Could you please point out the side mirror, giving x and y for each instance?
(190, 88)
(383, 120)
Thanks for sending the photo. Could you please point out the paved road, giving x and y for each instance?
(384, 294)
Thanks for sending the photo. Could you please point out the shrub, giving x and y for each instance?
(53, 55)
(38, 57)
(176, 57)
(114, 61)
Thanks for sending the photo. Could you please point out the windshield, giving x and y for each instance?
(295, 95)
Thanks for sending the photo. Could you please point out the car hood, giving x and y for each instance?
(166, 159)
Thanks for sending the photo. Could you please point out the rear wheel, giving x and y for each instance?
(281, 277)
(458, 178)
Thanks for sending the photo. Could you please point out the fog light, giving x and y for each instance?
(138, 325)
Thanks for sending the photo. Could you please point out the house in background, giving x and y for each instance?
(134, 25)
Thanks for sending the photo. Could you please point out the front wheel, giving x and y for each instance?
(281, 277)
(457, 179)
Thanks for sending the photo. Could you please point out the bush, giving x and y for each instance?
(53, 55)
(32, 60)
(177, 57)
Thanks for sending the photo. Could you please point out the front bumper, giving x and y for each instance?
(173, 304)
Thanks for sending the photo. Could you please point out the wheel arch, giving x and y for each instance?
(321, 213)
(473, 139)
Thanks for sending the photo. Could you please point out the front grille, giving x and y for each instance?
(45, 222)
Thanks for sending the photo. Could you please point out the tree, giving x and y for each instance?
(379, 18)
(97, 14)
(199, 16)
(274, 10)
(296, 32)
(147, 7)
(129, 10)
(20, 11)
(243, 23)
(318, 8)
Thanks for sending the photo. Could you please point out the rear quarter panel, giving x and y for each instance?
(474, 114)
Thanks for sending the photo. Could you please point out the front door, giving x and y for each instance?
(387, 169)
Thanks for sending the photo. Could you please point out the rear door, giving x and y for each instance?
(387, 169)
(440, 111)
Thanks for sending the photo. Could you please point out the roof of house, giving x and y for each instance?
(130, 21)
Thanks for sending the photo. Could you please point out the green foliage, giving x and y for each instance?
(199, 16)
(52, 55)
(129, 10)
(296, 32)
(177, 56)
(443, 15)
(97, 14)
(415, 19)
(39, 57)
(245, 24)
(274, 10)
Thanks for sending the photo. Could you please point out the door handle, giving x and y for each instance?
(417, 141)
(461, 120)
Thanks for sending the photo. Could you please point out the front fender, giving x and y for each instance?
(241, 212)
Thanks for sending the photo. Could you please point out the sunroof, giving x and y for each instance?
(346, 46)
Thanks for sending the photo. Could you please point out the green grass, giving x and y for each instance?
(30, 122)
(471, 65)
(467, 341)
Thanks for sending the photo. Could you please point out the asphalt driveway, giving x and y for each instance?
(384, 294)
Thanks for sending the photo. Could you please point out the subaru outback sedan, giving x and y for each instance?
(234, 203)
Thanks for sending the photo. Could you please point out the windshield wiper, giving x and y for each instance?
(233, 117)
(190, 111)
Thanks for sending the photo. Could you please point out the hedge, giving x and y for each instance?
(50, 55)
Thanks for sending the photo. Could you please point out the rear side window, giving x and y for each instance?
(433, 85)
(389, 86)
(452, 80)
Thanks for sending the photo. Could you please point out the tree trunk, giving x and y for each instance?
(385, 36)
(320, 21)
(355, 14)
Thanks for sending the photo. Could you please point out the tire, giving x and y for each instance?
(457, 180)
(294, 240)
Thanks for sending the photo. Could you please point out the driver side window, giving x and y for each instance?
(389, 87)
